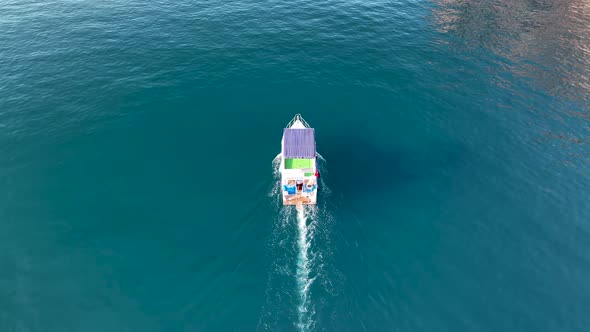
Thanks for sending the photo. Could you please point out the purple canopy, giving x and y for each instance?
(299, 143)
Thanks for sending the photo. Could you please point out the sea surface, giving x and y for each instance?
(138, 169)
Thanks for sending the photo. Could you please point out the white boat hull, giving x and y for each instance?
(299, 185)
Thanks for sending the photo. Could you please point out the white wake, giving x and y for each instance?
(300, 250)
(304, 280)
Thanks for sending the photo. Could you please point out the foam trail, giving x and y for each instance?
(304, 281)
(295, 242)
(275, 190)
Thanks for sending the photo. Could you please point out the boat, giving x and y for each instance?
(299, 171)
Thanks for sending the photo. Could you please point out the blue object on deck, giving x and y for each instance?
(290, 189)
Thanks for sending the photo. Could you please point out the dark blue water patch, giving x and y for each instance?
(360, 168)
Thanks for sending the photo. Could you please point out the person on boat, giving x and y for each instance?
(290, 187)
(299, 186)
(309, 186)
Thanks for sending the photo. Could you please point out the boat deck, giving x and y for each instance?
(299, 198)
(298, 167)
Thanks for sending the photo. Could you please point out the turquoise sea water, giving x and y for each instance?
(138, 190)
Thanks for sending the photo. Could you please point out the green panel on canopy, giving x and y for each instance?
(297, 163)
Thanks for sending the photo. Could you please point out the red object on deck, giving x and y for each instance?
(317, 174)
